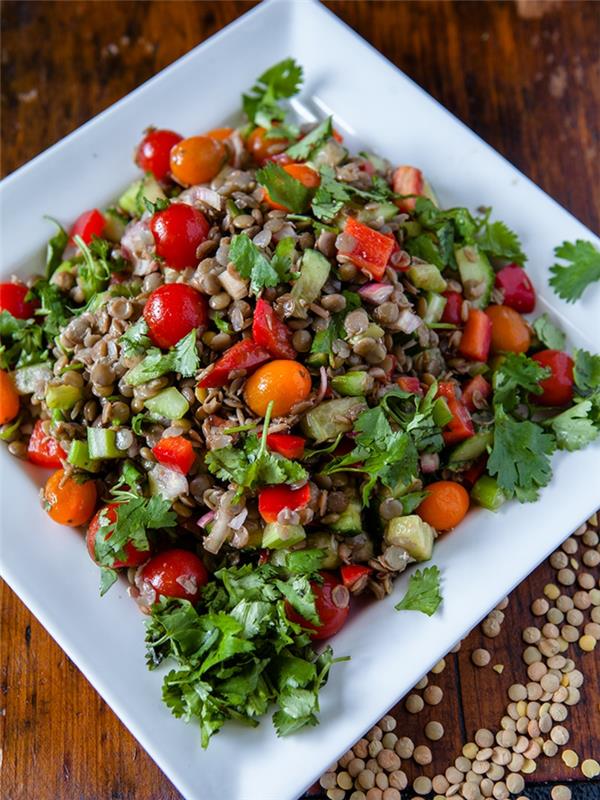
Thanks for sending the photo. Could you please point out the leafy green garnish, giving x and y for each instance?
(332, 195)
(283, 188)
(423, 593)
(586, 372)
(21, 342)
(576, 427)
(97, 265)
(583, 268)
(135, 340)
(160, 204)
(221, 324)
(261, 104)
(55, 249)
(323, 340)
(8, 430)
(516, 376)
(251, 263)
(302, 150)
(54, 308)
(183, 358)
(498, 241)
(548, 333)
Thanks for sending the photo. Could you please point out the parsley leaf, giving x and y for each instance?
(586, 372)
(283, 188)
(261, 104)
(301, 151)
(548, 333)
(250, 261)
(55, 249)
(183, 358)
(282, 258)
(517, 374)
(569, 282)
(498, 241)
(135, 340)
(574, 428)
(423, 593)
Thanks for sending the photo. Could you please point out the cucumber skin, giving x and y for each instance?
(473, 265)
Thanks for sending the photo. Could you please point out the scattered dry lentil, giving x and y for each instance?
(587, 643)
(434, 730)
(560, 792)
(439, 667)
(570, 758)
(433, 695)
(404, 747)
(414, 703)
(422, 755)
(590, 768)
(480, 657)
(422, 785)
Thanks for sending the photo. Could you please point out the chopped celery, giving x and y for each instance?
(471, 448)
(327, 420)
(169, 403)
(377, 211)
(427, 276)
(487, 493)
(413, 534)
(102, 443)
(435, 307)
(353, 384)
(63, 397)
(313, 276)
(79, 456)
(330, 154)
(276, 535)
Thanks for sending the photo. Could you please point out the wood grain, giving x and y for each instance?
(525, 76)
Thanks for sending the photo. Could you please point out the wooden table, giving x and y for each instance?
(525, 76)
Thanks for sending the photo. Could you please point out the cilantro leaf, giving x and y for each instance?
(250, 262)
(283, 188)
(135, 340)
(97, 266)
(55, 249)
(332, 195)
(548, 333)
(423, 593)
(282, 258)
(426, 249)
(574, 428)
(569, 282)
(517, 374)
(221, 324)
(301, 151)
(586, 372)
(183, 358)
(323, 340)
(498, 241)
(299, 595)
(53, 307)
(261, 104)
(21, 342)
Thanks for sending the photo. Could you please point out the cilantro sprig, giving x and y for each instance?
(423, 592)
(262, 103)
(302, 150)
(251, 263)
(283, 188)
(183, 358)
(583, 268)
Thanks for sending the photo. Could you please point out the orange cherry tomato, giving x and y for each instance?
(510, 333)
(67, 501)
(307, 177)
(197, 160)
(445, 505)
(9, 399)
(220, 134)
(283, 381)
(262, 148)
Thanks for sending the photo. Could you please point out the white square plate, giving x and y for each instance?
(375, 106)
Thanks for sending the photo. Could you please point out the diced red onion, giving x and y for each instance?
(239, 519)
(167, 482)
(376, 293)
(205, 519)
(408, 322)
(430, 462)
(201, 194)
(323, 385)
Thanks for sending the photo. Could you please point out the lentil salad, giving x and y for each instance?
(267, 379)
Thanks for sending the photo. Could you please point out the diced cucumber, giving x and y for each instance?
(353, 384)
(328, 543)
(377, 211)
(380, 164)
(436, 304)
(169, 403)
(429, 193)
(314, 272)
(132, 199)
(476, 274)
(276, 535)
(413, 534)
(441, 413)
(102, 443)
(427, 276)
(317, 359)
(63, 397)
(487, 493)
(79, 456)
(32, 379)
(471, 448)
(114, 227)
(350, 520)
(331, 418)
(330, 154)
(412, 228)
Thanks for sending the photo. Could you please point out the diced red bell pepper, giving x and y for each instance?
(477, 336)
(461, 425)
(476, 384)
(87, 225)
(286, 444)
(245, 355)
(408, 383)
(44, 450)
(351, 573)
(475, 471)
(516, 287)
(270, 332)
(408, 180)
(175, 452)
(273, 499)
(370, 250)
(453, 308)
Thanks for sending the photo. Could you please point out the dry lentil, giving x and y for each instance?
(366, 779)
(433, 695)
(550, 748)
(587, 643)
(381, 780)
(453, 775)
(434, 730)
(570, 758)
(560, 792)
(559, 735)
(590, 768)
(564, 603)
(389, 740)
(387, 724)
(404, 747)
(344, 780)
(439, 667)
(516, 692)
(389, 760)
(398, 779)
(414, 703)
(582, 600)
(335, 794)
(540, 606)
(422, 755)
(391, 793)
(439, 784)
(422, 785)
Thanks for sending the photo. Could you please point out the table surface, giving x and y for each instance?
(525, 76)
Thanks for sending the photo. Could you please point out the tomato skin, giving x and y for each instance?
(558, 388)
(510, 333)
(475, 471)
(263, 149)
(408, 180)
(175, 573)
(134, 558)
(332, 617)
(517, 288)
(282, 382)
(273, 499)
(245, 354)
(476, 384)
(301, 172)
(445, 506)
(477, 336)
(461, 425)
(44, 450)
(197, 159)
(172, 311)
(68, 502)
(154, 151)
(12, 299)
(453, 309)
(270, 332)
(370, 251)
(175, 452)
(351, 573)
(10, 402)
(87, 225)
(178, 231)
(221, 134)
(286, 444)
(409, 383)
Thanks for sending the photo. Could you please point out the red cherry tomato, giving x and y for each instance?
(558, 388)
(270, 332)
(154, 150)
(87, 225)
(477, 384)
(12, 299)
(44, 450)
(245, 355)
(175, 452)
(516, 287)
(332, 616)
(178, 231)
(273, 499)
(134, 557)
(286, 445)
(263, 148)
(172, 311)
(453, 308)
(174, 573)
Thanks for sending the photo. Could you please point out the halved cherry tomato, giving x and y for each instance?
(477, 336)
(154, 151)
(174, 573)
(134, 557)
(12, 299)
(286, 444)
(87, 225)
(9, 399)
(477, 384)
(172, 311)
(175, 452)
(273, 499)
(461, 425)
(453, 309)
(67, 501)
(409, 383)
(220, 134)
(445, 506)
(337, 136)
(197, 159)
(270, 332)
(408, 180)
(366, 248)
(516, 287)
(558, 388)
(245, 355)
(510, 333)
(475, 471)
(332, 605)
(263, 148)
(178, 231)
(301, 172)
(282, 381)
(352, 573)
(44, 450)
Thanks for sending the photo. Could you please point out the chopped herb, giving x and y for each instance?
(283, 188)
(250, 262)
(221, 324)
(135, 340)
(97, 267)
(517, 376)
(302, 150)
(183, 358)
(423, 593)
(548, 333)
(55, 249)
(586, 372)
(261, 104)
(498, 241)
(324, 340)
(575, 428)
(583, 268)
(160, 204)
(21, 342)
